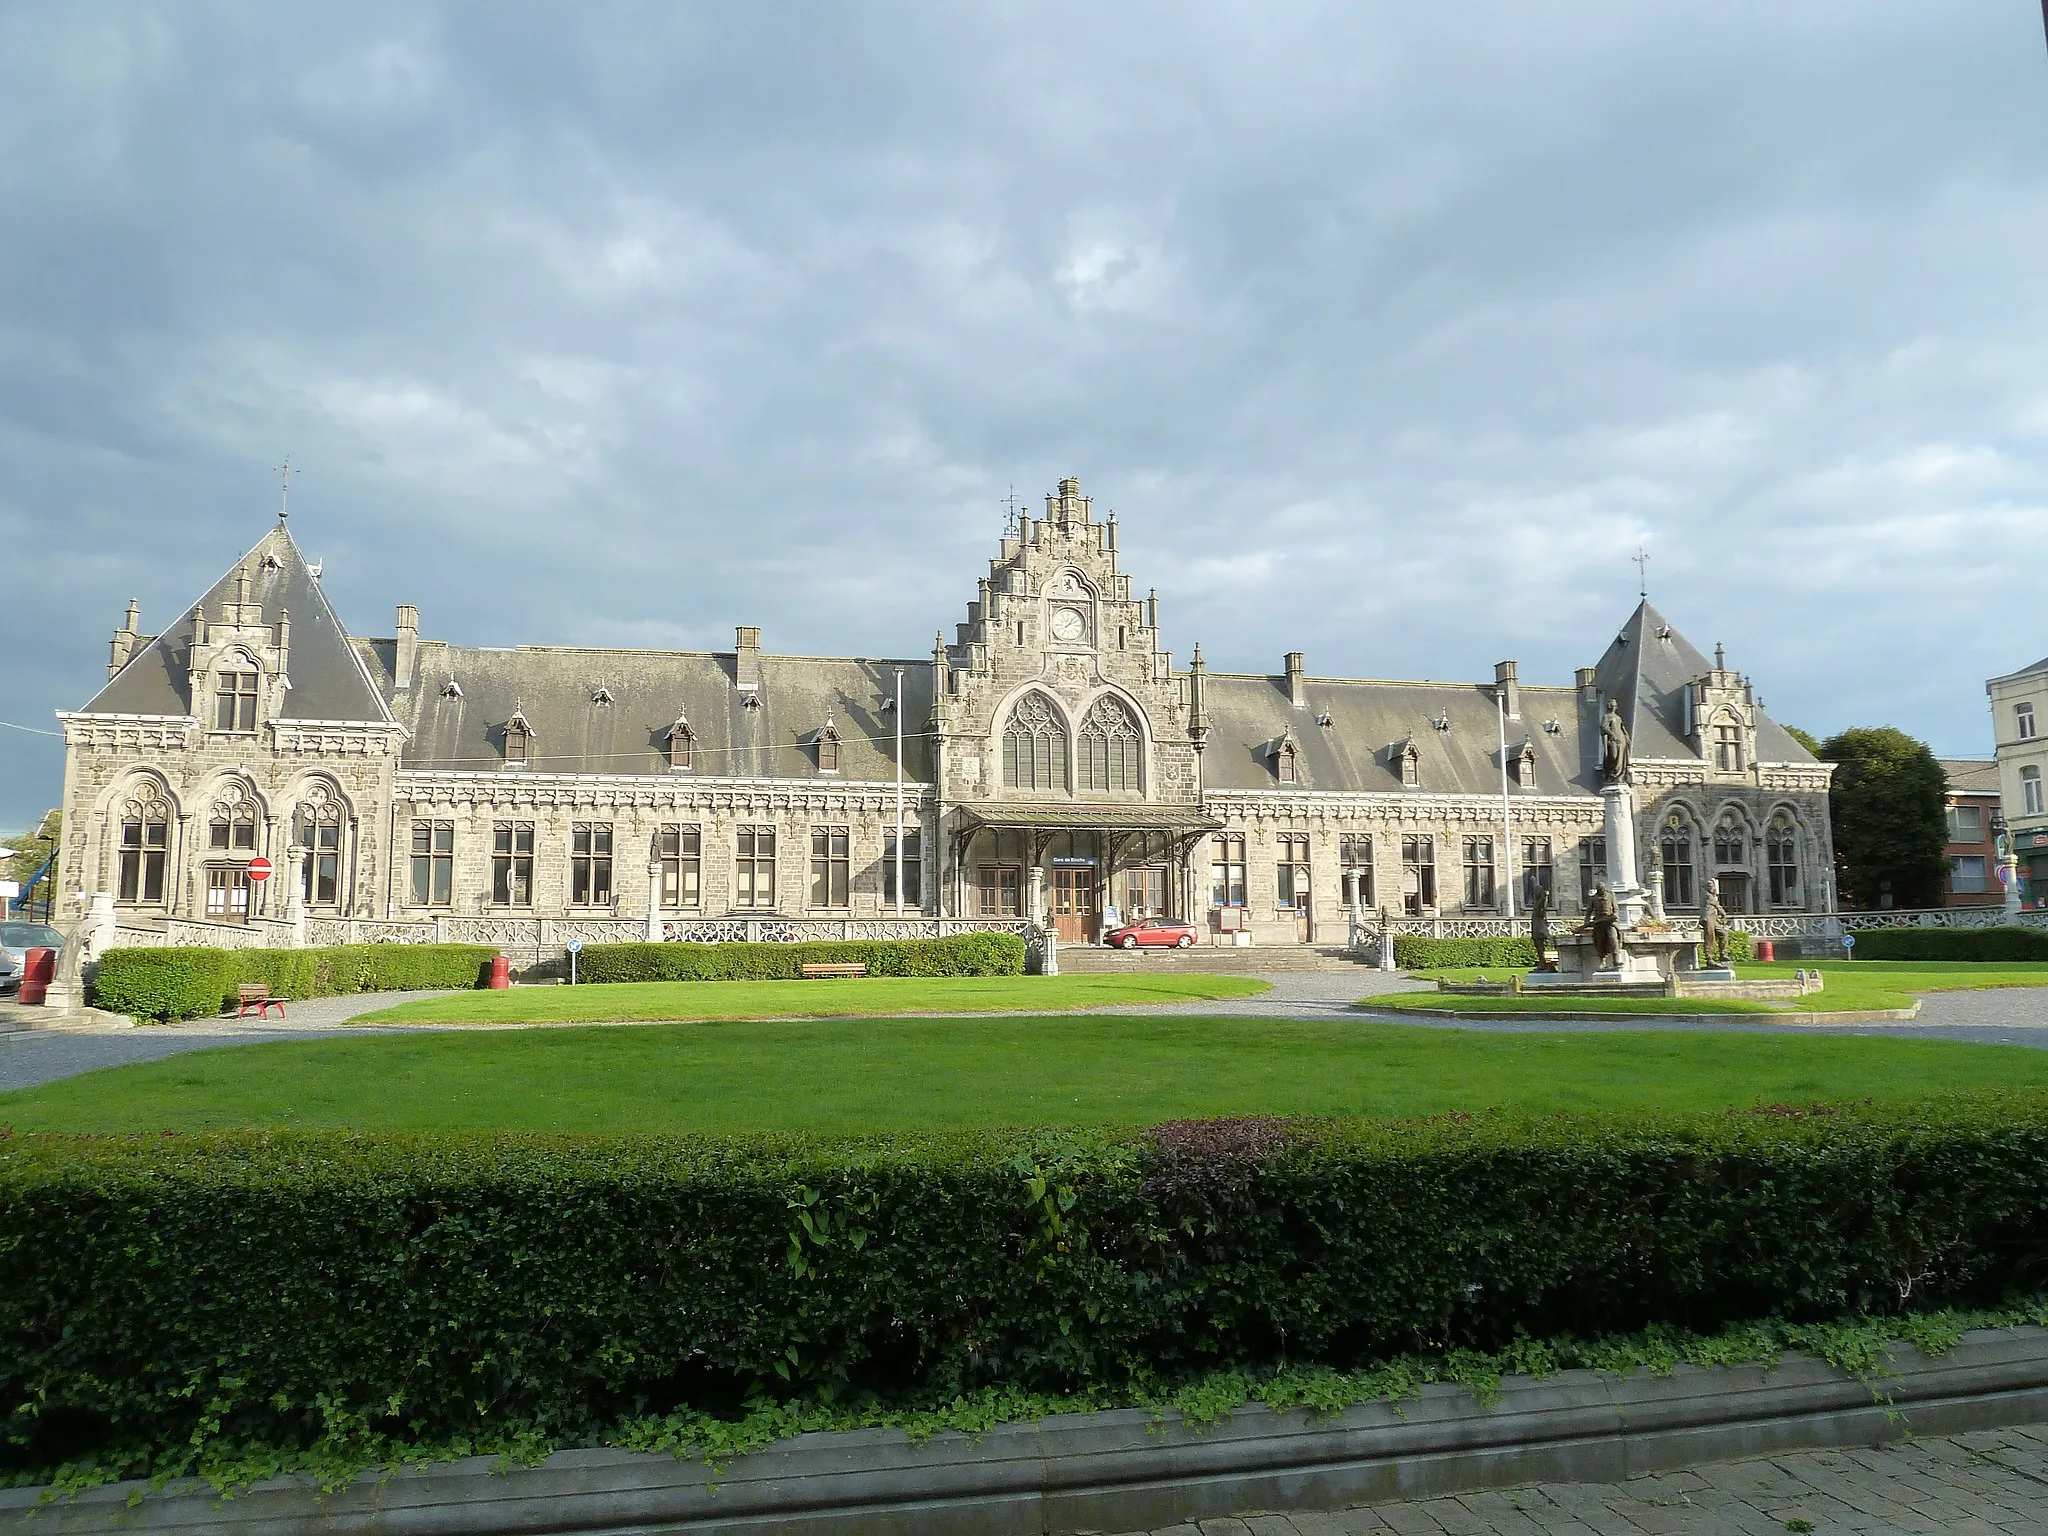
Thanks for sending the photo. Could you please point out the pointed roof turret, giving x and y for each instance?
(1647, 670)
(328, 678)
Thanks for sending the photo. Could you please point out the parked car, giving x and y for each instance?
(1152, 932)
(16, 940)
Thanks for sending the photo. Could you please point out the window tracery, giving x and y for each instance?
(1111, 745)
(1035, 745)
(316, 828)
(145, 845)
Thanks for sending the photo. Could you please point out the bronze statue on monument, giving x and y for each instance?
(1614, 761)
(1603, 922)
(1714, 926)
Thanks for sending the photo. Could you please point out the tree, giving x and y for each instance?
(1889, 805)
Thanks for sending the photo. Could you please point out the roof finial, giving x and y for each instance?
(284, 499)
(1011, 509)
(1642, 572)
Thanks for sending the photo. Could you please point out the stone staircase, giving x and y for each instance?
(1204, 959)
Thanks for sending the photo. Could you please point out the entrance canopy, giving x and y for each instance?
(1082, 816)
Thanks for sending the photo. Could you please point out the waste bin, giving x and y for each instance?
(38, 970)
(501, 972)
(1766, 950)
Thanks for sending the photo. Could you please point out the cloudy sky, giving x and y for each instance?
(1390, 330)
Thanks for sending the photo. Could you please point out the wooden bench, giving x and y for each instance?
(254, 994)
(844, 968)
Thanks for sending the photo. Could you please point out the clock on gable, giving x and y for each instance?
(1068, 624)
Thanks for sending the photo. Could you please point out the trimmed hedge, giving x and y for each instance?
(1417, 952)
(959, 954)
(1986, 945)
(191, 983)
(268, 1287)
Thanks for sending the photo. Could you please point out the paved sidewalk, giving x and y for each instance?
(1991, 1483)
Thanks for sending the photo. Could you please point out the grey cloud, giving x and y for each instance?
(1389, 330)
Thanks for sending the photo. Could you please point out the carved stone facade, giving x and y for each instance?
(1055, 764)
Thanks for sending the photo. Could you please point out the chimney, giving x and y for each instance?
(405, 663)
(1505, 682)
(124, 640)
(1588, 690)
(747, 658)
(1152, 611)
(1297, 689)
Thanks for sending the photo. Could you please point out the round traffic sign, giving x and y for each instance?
(575, 946)
(259, 868)
(1848, 941)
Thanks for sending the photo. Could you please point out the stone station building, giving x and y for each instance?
(1054, 762)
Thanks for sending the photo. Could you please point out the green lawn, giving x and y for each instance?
(862, 997)
(1452, 1002)
(1852, 986)
(912, 1074)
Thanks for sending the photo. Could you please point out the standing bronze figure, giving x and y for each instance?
(1603, 921)
(1614, 764)
(1714, 926)
(1539, 927)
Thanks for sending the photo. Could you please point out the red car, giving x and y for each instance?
(1165, 932)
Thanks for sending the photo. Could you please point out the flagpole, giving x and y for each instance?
(899, 792)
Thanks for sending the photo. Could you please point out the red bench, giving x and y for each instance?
(253, 994)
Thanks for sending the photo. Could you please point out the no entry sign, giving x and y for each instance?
(259, 869)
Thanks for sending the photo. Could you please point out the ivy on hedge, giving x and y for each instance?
(189, 983)
(260, 1287)
(1988, 945)
(959, 954)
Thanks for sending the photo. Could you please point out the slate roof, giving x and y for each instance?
(1971, 775)
(1648, 667)
(1367, 719)
(328, 680)
(553, 687)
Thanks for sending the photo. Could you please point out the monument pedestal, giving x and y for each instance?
(1630, 900)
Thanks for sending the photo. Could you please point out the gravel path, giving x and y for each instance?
(2004, 1016)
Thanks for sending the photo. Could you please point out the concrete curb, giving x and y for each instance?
(1121, 1470)
(1860, 1016)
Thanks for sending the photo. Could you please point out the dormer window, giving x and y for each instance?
(518, 741)
(1522, 766)
(828, 749)
(234, 701)
(1285, 768)
(682, 745)
(1407, 762)
(451, 689)
(602, 696)
(1728, 747)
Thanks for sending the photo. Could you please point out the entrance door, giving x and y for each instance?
(1073, 904)
(1144, 892)
(1734, 891)
(227, 893)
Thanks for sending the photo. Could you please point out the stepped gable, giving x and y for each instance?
(556, 689)
(329, 681)
(1648, 668)
(1369, 720)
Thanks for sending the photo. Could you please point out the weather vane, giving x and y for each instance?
(284, 500)
(1642, 571)
(1010, 506)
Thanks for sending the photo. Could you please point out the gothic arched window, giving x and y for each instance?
(1781, 855)
(1111, 745)
(145, 842)
(682, 744)
(316, 827)
(233, 828)
(1677, 847)
(1035, 745)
